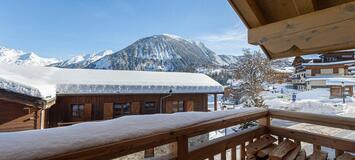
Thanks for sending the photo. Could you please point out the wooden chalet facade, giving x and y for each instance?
(21, 112)
(314, 72)
(70, 109)
(94, 95)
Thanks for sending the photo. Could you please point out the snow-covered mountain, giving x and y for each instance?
(81, 61)
(161, 52)
(13, 56)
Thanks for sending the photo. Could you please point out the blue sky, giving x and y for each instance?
(65, 28)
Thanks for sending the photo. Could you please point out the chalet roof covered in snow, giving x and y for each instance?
(47, 82)
(349, 62)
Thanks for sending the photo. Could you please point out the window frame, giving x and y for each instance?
(119, 112)
(77, 113)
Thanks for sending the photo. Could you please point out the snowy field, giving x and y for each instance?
(312, 101)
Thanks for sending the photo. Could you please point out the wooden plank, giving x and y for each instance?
(169, 107)
(223, 155)
(346, 156)
(183, 148)
(309, 33)
(251, 157)
(276, 10)
(249, 12)
(316, 148)
(338, 152)
(293, 154)
(313, 138)
(324, 120)
(189, 106)
(136, 108)
(261, 143)
(87, 111)
(234, 153)
(217, 146)
(265, 151)
(303, 6)
(242, 151)
(21, 99)
(282, 149)
(319, 155)
(301, 155)
(108, 110)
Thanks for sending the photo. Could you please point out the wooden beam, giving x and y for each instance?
(313, 138)
(21, 98)
(325, 30)
(324, 120)
(249, 12)
(303, 6)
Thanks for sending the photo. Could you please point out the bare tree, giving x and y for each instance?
(253, 70)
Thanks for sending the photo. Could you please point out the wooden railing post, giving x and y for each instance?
(265, 121)
(183, 148)
(242, 151)
(338, 152)
(234, 153)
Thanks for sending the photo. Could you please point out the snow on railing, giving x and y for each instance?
(37, 144)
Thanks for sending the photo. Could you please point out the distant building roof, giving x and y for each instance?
(330, 63)
(47, 82)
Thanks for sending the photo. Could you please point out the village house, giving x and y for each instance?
(323, 71)
(42, 97)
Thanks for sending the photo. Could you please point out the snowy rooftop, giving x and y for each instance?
(47, 82)
(334, 80)
(349, 62)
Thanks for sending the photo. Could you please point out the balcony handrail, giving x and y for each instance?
(318, 119)
(130, 146)
(220, 145)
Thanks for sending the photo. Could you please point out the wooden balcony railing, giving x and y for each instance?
(232, 146)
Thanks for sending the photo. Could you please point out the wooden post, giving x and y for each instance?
(338, 152)
(215, 102)
(316, 148)
(265, 121)
(182, 148)
(223, 155)
(234, 153)
(242, 151)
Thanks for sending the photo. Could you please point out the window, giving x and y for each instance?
(77, 111)
(121, 109)
(178, 106)
(149, 107)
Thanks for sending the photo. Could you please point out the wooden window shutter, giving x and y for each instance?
(169, 106)
(108, 110)
(136, 108)
(87, 111)
(189, 106)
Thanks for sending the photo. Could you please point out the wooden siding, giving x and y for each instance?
(101, 105)
(335, 91)
(17, 117)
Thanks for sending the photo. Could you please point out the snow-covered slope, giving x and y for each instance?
(81, 61)
(13, 56)
(160, 52)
